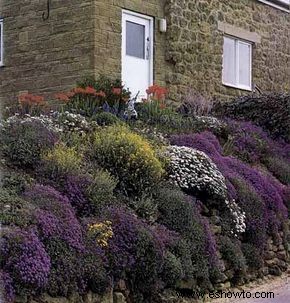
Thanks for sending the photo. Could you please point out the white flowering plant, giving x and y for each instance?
(195, 173)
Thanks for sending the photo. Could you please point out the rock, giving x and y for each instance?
(272, 262)
(120, 286)
(269, 255)
(118, 297)
(282, 255)
(230, 274)
(265, 271)
(186, 284)
(222, 278)
(22, 299)
(275, 271)
(107, 298)
(282, 265)
(223, 286)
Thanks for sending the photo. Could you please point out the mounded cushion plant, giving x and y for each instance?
(60, 161)
(128, 157)
(6, 287)
(180, 213)
(195, 173)
(23, 141)
(14, 210)
(24, 257)
(269, 190)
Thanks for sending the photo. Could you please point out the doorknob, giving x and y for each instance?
(148, 49)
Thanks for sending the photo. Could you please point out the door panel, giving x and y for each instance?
(137, 52)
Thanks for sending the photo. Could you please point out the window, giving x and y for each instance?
(135, 40)
(237, 63)
(1, 42)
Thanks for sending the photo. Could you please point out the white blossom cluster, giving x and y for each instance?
(238, 216)
(70, 122)
(55, 121)
(193, 170)
(47, 121)
(210, 122)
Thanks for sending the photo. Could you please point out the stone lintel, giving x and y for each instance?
(239, 32)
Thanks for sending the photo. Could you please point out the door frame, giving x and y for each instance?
(151, 33)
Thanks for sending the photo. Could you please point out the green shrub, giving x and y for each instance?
(14, 210)
(101, 191)
(145, 207)
(61, 161)
(147, 268)
(164, 119)
(178, 213)
(252, 205)
(280, 168)
(253, 256)
(16, 181)
(270, 111)
(175, 210)
(128, 157)
(172, 269)
(181, 249)
(66, 271)
(233, 255)
(106, 119)
(23, 141)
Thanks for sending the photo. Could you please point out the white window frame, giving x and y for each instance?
(279, 4)
(238, 41)
(1, 43)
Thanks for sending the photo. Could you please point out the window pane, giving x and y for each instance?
(135, 40)
(245, 64)
(229, 61)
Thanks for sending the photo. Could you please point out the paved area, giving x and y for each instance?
(279, 286)
(282, 295)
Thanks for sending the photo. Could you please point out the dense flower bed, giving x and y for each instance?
(91, 196)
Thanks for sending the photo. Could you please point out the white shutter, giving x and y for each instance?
(244, 62)
(229, 62)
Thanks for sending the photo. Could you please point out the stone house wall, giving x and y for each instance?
(45, 56)
(195, 45)
(84, 38)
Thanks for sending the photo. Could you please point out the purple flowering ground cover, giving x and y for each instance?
(80, 230)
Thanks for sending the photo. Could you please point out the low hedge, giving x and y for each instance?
(270, 111)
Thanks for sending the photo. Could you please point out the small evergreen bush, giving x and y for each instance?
(233, 255)
(172, 270)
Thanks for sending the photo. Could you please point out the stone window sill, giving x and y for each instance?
(245, 88)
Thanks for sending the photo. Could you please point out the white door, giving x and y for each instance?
(137, 53)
